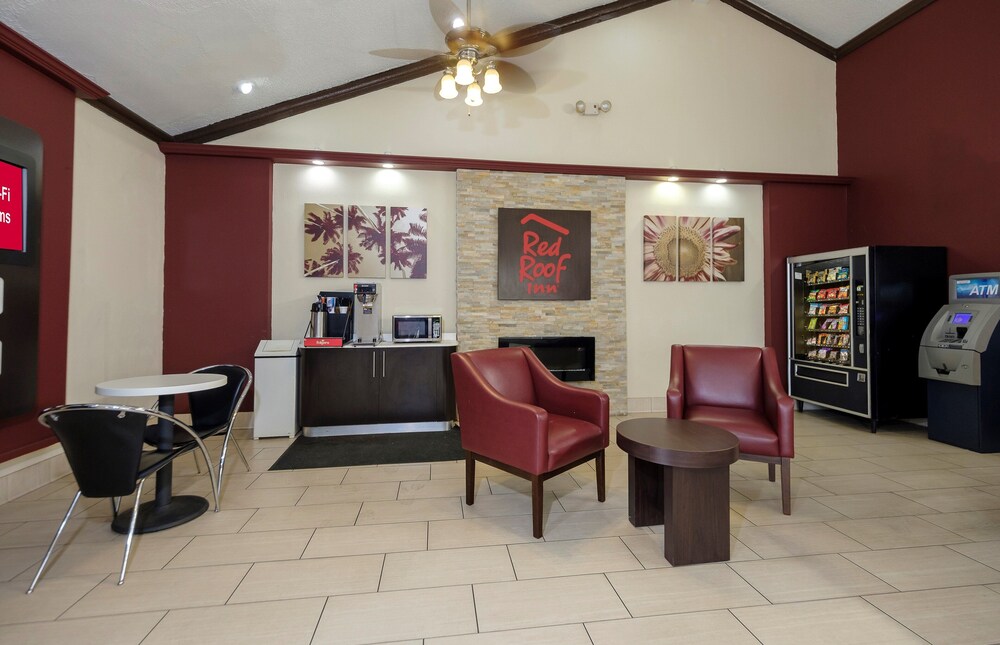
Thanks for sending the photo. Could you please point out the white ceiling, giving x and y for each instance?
(176, 63)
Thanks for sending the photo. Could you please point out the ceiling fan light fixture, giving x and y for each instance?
(463, 72)
(448, 89)
(473, 95)
(491, 79)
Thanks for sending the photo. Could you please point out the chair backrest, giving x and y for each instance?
(730, 377)
(103, 444)
(507, 370)
(215, 408)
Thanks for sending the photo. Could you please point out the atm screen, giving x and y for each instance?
(961, 319)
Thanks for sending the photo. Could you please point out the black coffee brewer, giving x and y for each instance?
(332, 316)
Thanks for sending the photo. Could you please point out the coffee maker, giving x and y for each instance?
(367, 314)
(332, 316)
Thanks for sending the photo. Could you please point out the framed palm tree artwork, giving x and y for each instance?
(366, 238)
(408, 242)
(324, 240)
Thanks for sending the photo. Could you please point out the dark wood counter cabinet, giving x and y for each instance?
(386, 388)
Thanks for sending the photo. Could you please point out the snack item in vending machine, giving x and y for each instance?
(844, 292)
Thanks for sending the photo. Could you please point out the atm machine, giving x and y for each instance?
(960, 358)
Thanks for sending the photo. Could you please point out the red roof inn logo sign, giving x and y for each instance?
(543, 254)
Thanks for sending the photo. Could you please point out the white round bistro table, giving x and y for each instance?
(166, 510)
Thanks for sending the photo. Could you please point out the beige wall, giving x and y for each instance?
(116, 268)
(693, 85)
(294, 186)
(665, 313)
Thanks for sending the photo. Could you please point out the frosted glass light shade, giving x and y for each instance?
(491, 81)
(473, 95)
(463, 72)
(448, 89)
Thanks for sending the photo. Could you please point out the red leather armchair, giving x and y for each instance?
(515, 415)
(739, 389)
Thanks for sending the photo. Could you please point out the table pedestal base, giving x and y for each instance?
(180, 509)
(691, 503)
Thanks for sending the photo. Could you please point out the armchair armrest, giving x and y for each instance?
(675, 388)
(568, 400)
(496, 427)
(778, 406)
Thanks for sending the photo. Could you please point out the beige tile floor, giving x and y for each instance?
(892, 539)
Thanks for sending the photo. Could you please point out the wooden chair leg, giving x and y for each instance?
(786, 485)
(770, 472)
(470, 479)
(600, 476)
(536, 506)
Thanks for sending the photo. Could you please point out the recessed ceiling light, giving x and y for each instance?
(388, 165)
(246, 87)
(318, 162)
(673, 178)
(721, 180)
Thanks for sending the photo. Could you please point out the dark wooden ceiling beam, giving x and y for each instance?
(882, 26)
(130, 119)
(421, 68)
(783, 27)
(27, 51)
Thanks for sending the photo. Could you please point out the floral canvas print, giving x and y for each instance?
(659, 248)
(408, 242)
(324, 240)
(692, 249)
(727, 249)
(366, 241)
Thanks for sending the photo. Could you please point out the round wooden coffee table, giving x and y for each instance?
(678, 476)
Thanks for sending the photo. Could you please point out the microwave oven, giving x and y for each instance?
(416, 329)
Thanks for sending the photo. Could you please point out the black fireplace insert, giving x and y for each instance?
(569, 358)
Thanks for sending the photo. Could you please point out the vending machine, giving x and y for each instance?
(855, 318)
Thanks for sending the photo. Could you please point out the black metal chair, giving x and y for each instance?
(213, 412)
(103, 444)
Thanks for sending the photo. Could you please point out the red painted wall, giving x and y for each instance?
(217, 265)
(47, 107)
(798, 219)
(919, 127)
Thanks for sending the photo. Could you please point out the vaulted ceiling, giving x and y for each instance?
(170, 68)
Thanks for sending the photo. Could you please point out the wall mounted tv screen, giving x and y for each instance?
(13, 206)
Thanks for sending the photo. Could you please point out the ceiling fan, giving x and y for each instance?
(473, 57)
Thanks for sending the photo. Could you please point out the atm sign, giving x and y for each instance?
(976, 288)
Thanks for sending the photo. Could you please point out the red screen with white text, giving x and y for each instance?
(11, 207)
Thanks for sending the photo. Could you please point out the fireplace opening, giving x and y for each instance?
(569, 358)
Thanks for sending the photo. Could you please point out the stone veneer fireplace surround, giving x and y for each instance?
(482, 318)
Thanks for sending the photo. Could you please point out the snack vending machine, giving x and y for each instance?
(855, 318)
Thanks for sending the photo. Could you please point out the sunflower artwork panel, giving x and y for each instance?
(659, 248)
(324, 241)
(366, 241)
(728, 249)
(692, 249)
(408, 242)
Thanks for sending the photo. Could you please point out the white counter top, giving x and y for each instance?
(388, 344)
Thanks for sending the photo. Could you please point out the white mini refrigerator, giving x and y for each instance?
(276, 370)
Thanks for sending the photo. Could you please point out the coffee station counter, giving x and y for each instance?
(369, 389)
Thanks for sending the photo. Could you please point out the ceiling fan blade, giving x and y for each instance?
(402, 53)
(514, 78)
(444, 13)
(506, 43)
